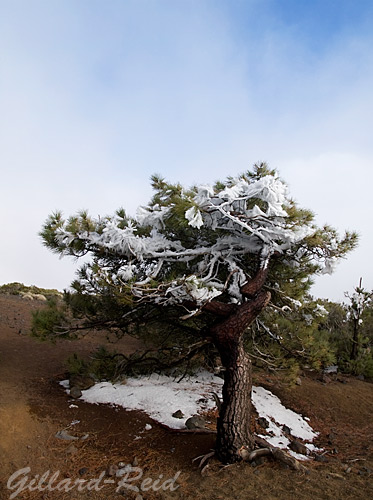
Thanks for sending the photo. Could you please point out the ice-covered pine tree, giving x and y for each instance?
(211, 249)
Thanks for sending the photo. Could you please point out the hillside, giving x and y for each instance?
(34, 408)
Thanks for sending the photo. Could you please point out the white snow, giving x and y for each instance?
(270, 407)
(159, 396)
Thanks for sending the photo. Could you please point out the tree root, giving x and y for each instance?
(268, 450)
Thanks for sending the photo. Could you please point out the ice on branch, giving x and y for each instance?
(245, 222)
(194, 216)
(192, 289)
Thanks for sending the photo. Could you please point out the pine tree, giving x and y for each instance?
(217, 254)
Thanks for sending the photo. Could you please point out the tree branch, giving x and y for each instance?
(252, 287)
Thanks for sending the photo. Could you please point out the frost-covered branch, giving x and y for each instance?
(199, 244)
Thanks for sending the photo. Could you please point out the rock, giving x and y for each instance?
(112, 470)
(178, 414)
(299, 447)
(321, 458)
(75, 392)
(298, 381)
(360, 377)
(331, 369)
(286, 429)
(65, 435)
(82, 382)
(135, 462)
(325, 379)
(27, 295)
(195, 422)
(263, 422)
(83, 471)
(39, 296)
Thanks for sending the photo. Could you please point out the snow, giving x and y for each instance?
(270, 407)
(238, 227)
(159, 396)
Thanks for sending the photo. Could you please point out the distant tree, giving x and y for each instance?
(360, 300)
(217, 254)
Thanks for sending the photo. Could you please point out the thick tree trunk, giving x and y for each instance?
(233, 428)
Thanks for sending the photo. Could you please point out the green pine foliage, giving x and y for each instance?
(293, 332)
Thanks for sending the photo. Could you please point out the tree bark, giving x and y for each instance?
(355, 339)
(233, 427)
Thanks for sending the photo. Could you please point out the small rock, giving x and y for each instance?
(75, 392)
(178, 414)
(135, 462)
(298, 381)
(195, 422)
(331, 369)
(65, 435)
(321, 458)
(286, 429)
(112, 470)
(139, 497)
(263, 422)
(298, 448)
(83, 471)
(82, 382)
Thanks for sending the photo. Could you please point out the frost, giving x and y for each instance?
(246, 217)
(320, 310)
(193, 215)
(329, 266)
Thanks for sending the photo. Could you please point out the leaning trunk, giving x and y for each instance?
(233, 427)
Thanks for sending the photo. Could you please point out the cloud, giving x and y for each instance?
(97, 97)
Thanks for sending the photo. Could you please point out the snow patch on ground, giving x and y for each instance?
(159, 396)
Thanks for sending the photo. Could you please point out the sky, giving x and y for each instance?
(96, 96)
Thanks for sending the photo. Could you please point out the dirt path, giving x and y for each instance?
(33, 407)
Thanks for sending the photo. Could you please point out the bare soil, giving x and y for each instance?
(33, 407)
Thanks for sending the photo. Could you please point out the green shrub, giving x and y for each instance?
(102, 364)
(50, 322)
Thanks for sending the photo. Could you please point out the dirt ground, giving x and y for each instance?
(33, 407)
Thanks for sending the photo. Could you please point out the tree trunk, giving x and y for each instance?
(233, 428)
(355, 339)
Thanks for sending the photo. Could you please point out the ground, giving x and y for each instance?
(33, 407)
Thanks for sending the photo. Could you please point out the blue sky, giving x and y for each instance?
(96, 96)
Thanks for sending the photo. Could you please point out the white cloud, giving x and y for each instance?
(96, 99)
